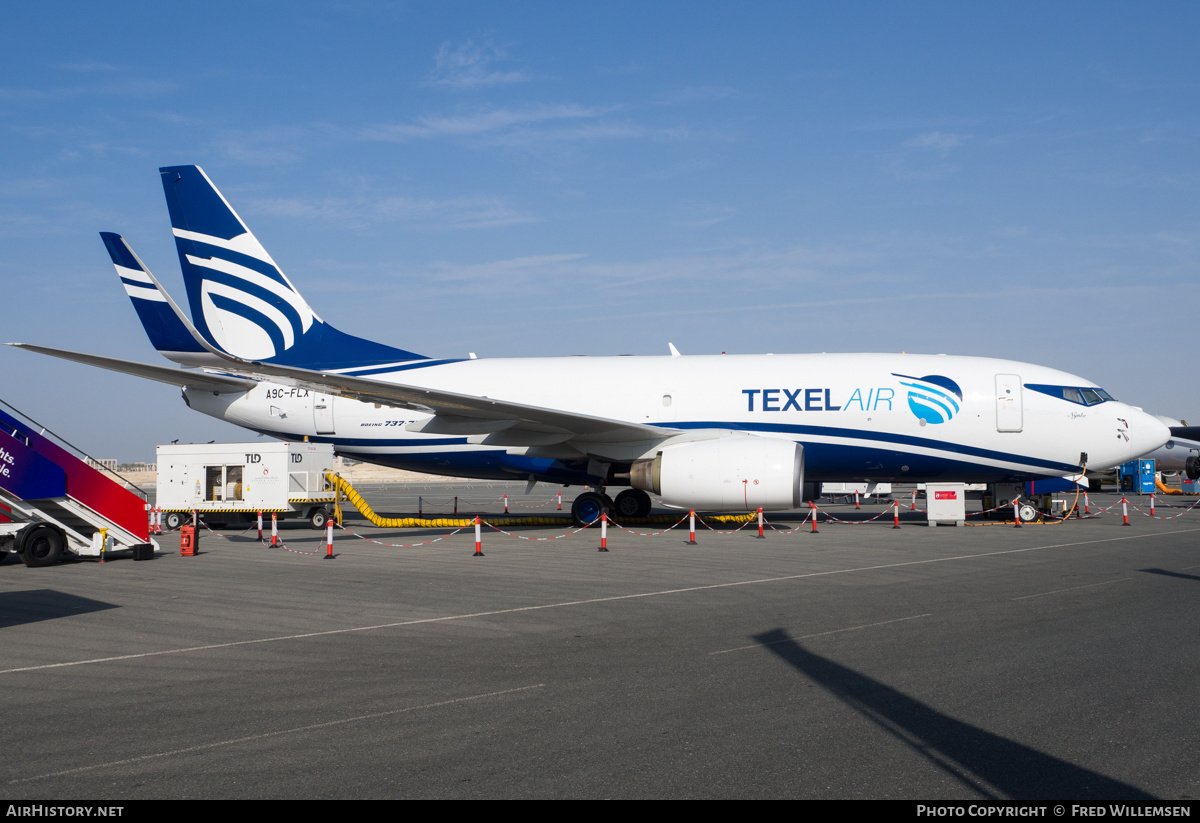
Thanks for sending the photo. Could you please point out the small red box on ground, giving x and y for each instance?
(189, 541)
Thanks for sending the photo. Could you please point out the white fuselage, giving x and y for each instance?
(859, 416)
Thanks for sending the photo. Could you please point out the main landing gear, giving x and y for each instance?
(588, 506)
(632, 503)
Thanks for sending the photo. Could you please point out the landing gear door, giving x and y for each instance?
(323, 413)
(1009, 414)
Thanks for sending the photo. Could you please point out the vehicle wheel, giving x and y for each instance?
(318, 518)
(587, 508)
(1126, 483)
(43, 546)
(632, 503)
(1192, 468)
(1028, 513)
(173, 520)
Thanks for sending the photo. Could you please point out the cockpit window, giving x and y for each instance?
(1082, 395)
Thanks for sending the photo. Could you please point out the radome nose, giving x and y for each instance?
(1146, 433)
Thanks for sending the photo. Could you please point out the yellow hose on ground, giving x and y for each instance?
(1164, 488)
(343, 487)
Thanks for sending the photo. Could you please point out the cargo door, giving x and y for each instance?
(1009, 413)
(323, 413)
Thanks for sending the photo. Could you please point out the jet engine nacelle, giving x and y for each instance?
(725, 474)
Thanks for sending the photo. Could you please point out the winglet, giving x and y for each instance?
(160, 316)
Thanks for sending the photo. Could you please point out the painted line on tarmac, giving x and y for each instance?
(251, 738)
(1073, 588)
(823, 634)
(591, 601)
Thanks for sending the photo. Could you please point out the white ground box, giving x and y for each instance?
(946, 503)
(864, 489)
(245, 478)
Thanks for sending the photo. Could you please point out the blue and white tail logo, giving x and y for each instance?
(240, 299)
(242, 303)
(932, 398)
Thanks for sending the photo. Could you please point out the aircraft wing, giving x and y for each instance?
(187, 378)
(501, 420)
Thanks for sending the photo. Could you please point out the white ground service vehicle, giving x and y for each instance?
(230, 482)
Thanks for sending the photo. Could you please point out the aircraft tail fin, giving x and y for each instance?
(242, 303)
(163, 327)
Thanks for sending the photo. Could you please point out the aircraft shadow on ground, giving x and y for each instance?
(1166, 573)
(36, 605)
(983, 762)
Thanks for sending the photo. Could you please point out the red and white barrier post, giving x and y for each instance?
(603, 531)
(895, 514)
(1087, 508)
(260, 525)
(813, 510)
(274, 531)
(914, 500)
(478, 539)
(692, 527)
(760, 523)
(560, 501)
(1017, 512)
(506, 504)
(856, 500)
(328, 539)
(1124, 511)
(1152, 504)
(456, 504)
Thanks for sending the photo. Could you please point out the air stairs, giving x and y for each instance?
(53, 503)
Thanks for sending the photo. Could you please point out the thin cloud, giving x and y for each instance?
(470, 65)
(482, 122)
(425, 213)
(87, 66)
(936, 141)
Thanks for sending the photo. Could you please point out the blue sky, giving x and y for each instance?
(525, 179)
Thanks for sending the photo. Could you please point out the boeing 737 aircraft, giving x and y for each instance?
(728, 433)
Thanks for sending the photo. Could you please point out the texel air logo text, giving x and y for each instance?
(932, 398)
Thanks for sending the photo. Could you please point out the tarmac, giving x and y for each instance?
(1048, 662)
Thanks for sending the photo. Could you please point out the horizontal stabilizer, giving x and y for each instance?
(202, 381)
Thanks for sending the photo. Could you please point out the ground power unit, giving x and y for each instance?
(232, 482)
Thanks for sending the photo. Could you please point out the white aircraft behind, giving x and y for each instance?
(717, 432)
(1181, 453)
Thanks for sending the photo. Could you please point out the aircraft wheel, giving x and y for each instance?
(173, 520)
(587, 508)
(632, 503)
(43, 546)
(1192, 468)
(318, 518)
